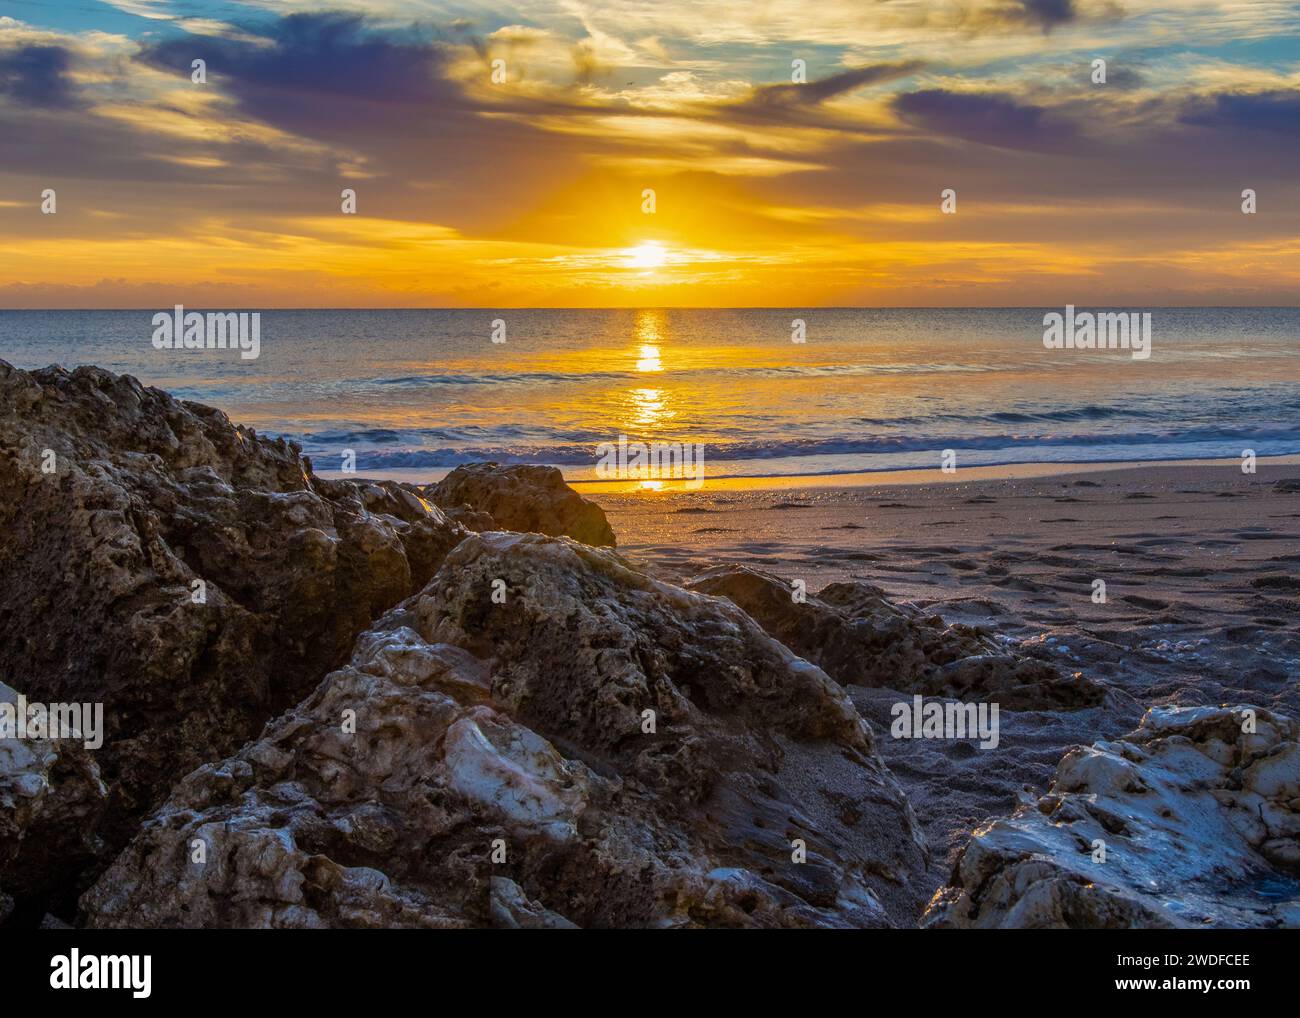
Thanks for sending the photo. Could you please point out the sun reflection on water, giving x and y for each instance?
(649, 359)
(649, 334)
(648, 410)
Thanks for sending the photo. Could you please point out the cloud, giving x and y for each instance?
(813, 92)
(323, 54)
(1048, 13)
(1013, 14)
(37, 75)
(984, 117)
(1274, 111)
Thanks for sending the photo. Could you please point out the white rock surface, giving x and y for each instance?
(1200, 822)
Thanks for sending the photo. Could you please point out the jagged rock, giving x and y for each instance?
(486, 726)
(1200, 823)
(115, 499)
(51, 800)
(861, 638)
(529, 499)
(1287, 484)
(313, 825)
(470, 519)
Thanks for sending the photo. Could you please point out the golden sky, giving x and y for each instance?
(501, 153)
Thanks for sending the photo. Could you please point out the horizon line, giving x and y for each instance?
(703, 307)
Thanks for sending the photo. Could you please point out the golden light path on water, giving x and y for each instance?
(646, 409)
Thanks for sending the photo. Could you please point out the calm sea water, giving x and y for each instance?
(869, 390)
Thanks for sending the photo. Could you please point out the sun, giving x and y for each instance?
(649, 255)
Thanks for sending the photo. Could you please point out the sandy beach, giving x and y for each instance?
(1199, 562)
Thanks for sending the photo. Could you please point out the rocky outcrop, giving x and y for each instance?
(859, 637)
(1192, 820)
(543, 737)
(342, 814)
(51, 801)
(529, 499)
(192, 577)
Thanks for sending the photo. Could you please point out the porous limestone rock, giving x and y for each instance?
(1198, 816)
(529, 499)
(51, 800)
(861, 638)
(115, 498)
(505, 771)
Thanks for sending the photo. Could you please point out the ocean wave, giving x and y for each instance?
(1087, 445)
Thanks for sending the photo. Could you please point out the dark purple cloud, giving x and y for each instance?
(987, 118)
(316, 55)
(1049, 13)
(1276, 111)
(37, 75)
(1003, 15)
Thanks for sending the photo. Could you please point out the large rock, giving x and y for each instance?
(859, 637)
(529, 499)
(322, 821)
(194, 578)
(1199, 821)
(504, 772)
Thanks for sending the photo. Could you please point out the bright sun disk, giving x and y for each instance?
(649, 255)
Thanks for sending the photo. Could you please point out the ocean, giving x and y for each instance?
(416, 392)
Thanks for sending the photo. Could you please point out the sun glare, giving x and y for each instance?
(649, 359)
(649, 255)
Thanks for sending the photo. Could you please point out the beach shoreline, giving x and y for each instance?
(857, 479)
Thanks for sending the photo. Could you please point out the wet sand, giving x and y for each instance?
(1202, 601)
